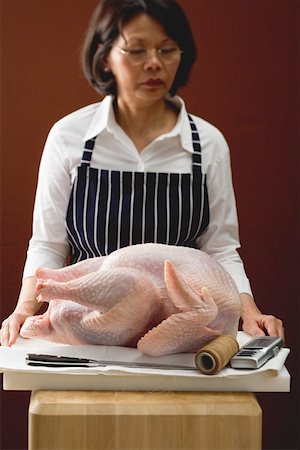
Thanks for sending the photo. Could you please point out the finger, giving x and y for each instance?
(14, 333)
(9, 332)
(253, 328)
(274, 326)
(4, 335)
(281, 333)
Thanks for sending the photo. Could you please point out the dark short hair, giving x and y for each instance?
(106, 25)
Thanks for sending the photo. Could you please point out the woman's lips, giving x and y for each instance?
(154, 82)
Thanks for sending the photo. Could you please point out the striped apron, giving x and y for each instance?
(110, 209)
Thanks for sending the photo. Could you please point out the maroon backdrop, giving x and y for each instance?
(245, 82)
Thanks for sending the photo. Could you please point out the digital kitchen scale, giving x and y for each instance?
(256, 352)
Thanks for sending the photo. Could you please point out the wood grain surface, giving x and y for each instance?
(63, 420)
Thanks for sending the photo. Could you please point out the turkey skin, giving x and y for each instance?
(161, 299)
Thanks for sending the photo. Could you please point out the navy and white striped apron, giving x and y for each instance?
(110, 209)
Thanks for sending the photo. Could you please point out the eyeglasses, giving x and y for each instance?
(139, 55)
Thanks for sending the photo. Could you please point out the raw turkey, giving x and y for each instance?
(162, 299)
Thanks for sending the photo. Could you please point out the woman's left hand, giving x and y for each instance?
(258, 324)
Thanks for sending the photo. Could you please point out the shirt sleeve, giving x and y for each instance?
(221, 239)
(48, 246)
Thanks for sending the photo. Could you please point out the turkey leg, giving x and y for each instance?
(186, 330)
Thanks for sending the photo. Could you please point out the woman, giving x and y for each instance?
(135, 167)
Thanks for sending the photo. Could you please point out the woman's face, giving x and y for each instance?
(148, 80)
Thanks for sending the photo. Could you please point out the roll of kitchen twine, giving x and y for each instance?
(214, 356)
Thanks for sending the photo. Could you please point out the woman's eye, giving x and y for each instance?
(167, 50)
(137, 51)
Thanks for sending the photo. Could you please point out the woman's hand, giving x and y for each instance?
(11, 326)
(27, 306)
(258, 324)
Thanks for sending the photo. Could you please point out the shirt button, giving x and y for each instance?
(141, 167)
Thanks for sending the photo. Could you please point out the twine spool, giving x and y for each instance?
(214, 356)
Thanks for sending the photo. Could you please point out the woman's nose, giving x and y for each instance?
(153, 61)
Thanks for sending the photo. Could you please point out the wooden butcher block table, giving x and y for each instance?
(62, 420)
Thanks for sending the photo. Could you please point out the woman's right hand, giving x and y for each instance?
(27, 306)
(11, 326)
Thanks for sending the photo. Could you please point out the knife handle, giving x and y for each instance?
(36, 357)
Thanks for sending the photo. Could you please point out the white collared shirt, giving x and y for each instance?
(114, 150)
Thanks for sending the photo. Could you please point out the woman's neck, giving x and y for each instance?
(145, 124)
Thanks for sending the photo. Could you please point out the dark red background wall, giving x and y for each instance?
(245, 83)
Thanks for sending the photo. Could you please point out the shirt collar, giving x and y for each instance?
(104, 120)
(182, 127)
(101, 118)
